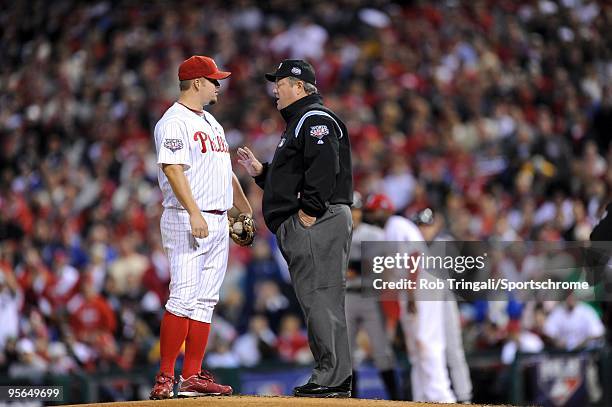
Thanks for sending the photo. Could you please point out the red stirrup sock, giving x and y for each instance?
(172, 335)
(195, 346)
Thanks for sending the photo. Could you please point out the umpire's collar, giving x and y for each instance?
(296, 107)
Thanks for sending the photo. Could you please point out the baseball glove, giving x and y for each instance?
(242, 229)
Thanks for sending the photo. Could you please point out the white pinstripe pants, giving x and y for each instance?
(197, 266)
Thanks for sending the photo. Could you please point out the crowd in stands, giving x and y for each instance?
(498, 114)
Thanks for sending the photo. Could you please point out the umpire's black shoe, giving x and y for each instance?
(315, 390)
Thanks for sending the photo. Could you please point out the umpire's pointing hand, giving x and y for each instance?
(249, 162)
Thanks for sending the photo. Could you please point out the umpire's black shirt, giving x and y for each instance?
(311, 168)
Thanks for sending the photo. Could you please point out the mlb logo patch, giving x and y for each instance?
(173, 144)
(319, 131)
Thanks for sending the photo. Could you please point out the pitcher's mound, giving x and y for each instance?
(267, 401)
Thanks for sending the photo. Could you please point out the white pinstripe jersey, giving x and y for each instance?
(198, 143)
(399, 229)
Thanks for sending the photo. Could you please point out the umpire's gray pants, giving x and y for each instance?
(318, 257)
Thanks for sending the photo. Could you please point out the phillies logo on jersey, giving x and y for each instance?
(216, 144)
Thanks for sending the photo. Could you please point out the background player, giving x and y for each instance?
(198, 189)
(363, 310)
(432, 228)
(421, 319)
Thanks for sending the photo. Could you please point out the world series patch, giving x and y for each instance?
(173, 144)
(319, 131)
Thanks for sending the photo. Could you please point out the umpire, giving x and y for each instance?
(308, 188)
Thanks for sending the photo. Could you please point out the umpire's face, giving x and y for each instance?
(288, 90)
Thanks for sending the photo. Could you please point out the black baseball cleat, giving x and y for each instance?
(316, 390)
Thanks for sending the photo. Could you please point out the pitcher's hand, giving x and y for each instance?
(199, 227)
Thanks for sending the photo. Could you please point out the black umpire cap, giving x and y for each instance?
(297, 68)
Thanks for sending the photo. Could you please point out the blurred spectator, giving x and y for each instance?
(232, 309)
(8, 357)
(97, 270)
(30, 364)
(269, 301)
(302, 40)
(130, 265)
(573, 325)
(220, 355)
(491, 336)
(66, 281)
(261, 267)
(60, 362)
(10, 302)
(519, 340)
(292, 342)
(91, 315)
(399, 183)
(257, 344)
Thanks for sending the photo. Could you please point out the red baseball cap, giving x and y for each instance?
(199, 66)
(379, 201)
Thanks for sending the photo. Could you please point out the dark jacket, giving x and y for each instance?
(311, 168)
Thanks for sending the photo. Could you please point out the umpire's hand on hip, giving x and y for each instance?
(306, 220)
(199, 227)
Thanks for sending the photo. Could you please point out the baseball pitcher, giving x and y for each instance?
(199, 188)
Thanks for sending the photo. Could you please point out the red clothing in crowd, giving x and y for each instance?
(94, 314)
(289, 346)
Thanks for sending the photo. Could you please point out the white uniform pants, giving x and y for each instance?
(425, 340)
(197, 266)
